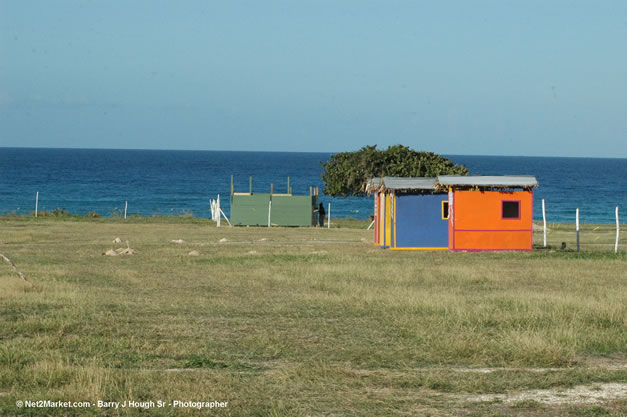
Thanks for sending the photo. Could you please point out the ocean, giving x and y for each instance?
(158, 182)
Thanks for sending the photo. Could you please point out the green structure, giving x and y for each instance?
(263, 209)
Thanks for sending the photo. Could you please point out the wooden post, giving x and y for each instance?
(125, 208)
(310, 191)
(617, 231)
(271, 189)
(270, 213)
(288, 185)
(232, 189)
(250, 186)
(329, 217)
(544, 221)
(36, 203)
(577, 225)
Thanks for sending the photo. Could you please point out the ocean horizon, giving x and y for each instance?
(182, 182)
(287, 152)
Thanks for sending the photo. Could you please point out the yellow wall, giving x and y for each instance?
(388, 220)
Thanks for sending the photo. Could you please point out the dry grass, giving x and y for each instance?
(302, 321)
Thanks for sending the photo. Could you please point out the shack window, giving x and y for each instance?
(511, 209)
(444, 210)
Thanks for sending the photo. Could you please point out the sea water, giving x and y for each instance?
(183, 182)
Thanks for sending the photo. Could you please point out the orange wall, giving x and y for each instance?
(477, 222)
(492, 240)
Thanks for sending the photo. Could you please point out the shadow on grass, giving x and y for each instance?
(540, 251)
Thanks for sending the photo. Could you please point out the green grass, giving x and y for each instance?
(300, 321)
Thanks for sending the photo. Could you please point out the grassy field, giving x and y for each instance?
(306, 322)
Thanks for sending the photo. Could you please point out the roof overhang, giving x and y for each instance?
(487, 181)
(401, 184)
(444, 182)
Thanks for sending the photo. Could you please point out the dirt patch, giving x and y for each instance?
(609, 366)
(490, 370)
(611, 363)
(582, 394)
(183, 369)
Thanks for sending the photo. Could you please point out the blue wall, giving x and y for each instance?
(419, 222)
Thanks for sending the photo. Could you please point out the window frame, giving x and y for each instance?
(447, 210)
(503, 209)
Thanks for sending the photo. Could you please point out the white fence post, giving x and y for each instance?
(617, 231)
(125, 208)
(270, 213)
(577, 223)
(218, 208)
(544, 221)
(36, 203)
(225, 218)
(217, 213)
(329, 217)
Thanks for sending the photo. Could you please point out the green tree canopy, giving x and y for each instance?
(346, 172)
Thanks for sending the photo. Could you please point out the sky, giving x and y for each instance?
(537, 78)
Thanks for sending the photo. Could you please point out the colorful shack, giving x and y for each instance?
(479, 213)
(409, 213)
(489, 213)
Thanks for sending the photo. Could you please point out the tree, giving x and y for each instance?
(346, 172)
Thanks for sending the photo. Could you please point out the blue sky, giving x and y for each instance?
(453, 77)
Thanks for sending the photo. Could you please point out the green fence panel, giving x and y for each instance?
(293, 210)
(250, 210)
